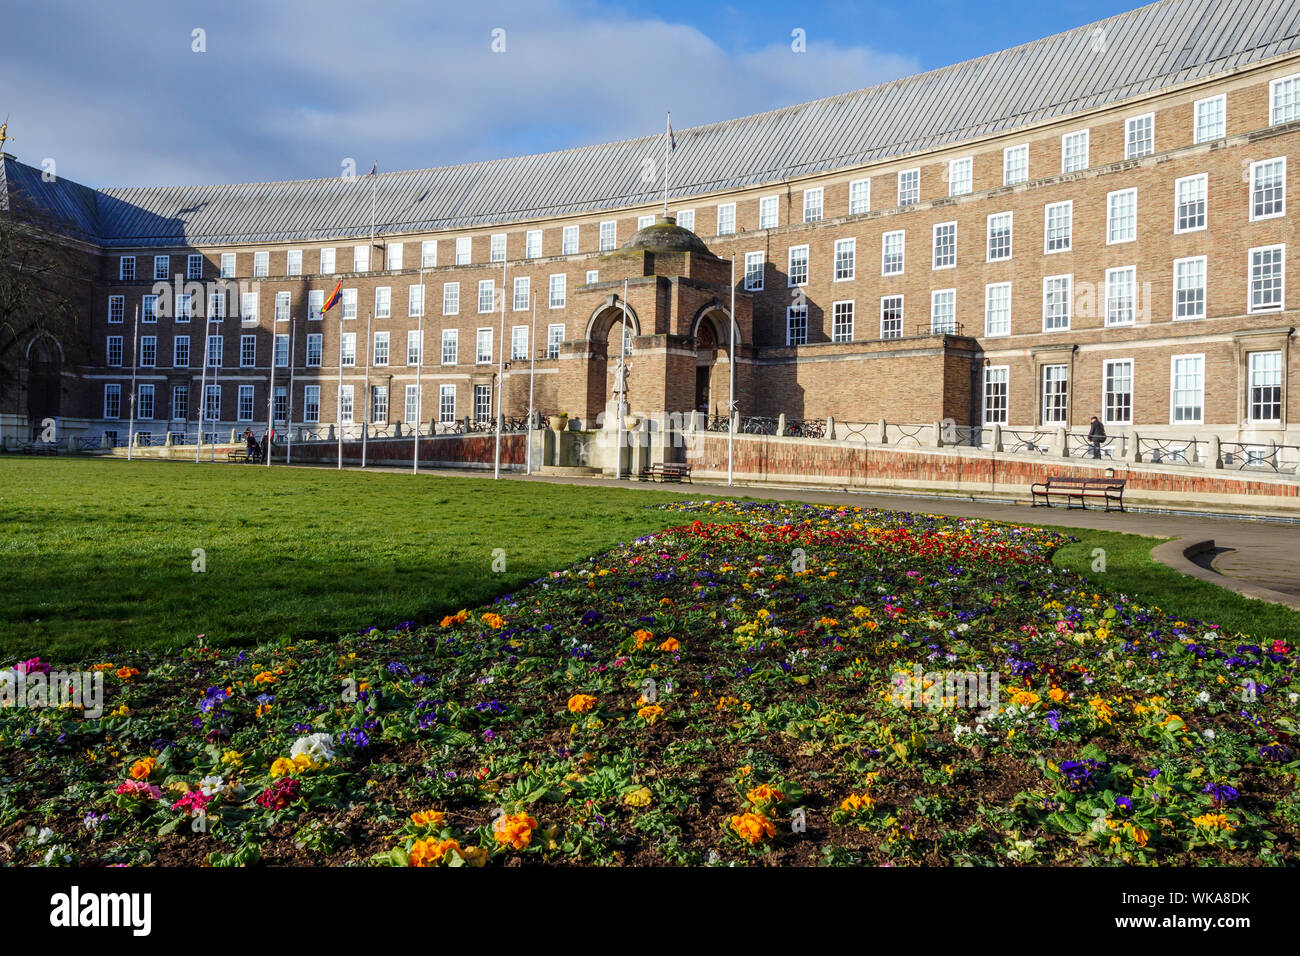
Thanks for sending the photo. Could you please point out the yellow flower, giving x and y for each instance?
(1024, 698)
(581, 703)
(1056, 694)
(282, 767)
(639, 797)
(121, 711)
(650, 713)
(854, 803)
(232, 758)
(1214, 821)
(143, 768)
(265, 677)
(428, 818)
(431, 852)
(1101, 709)
(515, 830)
(752, 827)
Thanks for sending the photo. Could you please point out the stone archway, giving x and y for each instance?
(711, 330)
(603, 340)
(44, 396)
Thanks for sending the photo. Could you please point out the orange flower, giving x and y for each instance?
(581, 703)
(460, 617)
(650, 713)
(641, 637)
(764, 794)
(670, 645)
(515, 830)
(752, 827)
(265, 677)
(126, 673)
(493, 621)
(141, 769)
(427, 818)
(431, 852)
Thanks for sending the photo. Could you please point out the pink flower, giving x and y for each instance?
(33, 666)
(138, 789)
(194, 801)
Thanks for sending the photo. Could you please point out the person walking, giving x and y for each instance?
(250, 444)
(1096, 435)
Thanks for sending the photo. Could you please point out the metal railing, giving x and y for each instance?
(1281, 459)
(970, 436)
(1170, 451)
(1021, 442)
(806, 428)
(1081, 445)
(913, 434)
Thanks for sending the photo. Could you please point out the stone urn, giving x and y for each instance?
(557, 422)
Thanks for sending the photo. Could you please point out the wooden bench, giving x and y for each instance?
(241, 456)
(666, 471)
(1110, 490)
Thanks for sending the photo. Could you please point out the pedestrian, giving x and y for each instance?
(1096, 435)
(250, 444)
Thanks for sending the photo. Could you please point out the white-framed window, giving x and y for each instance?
(726, 218)
(180, 402)
(228, 265)
(346, 404)
(181, 351)
(891, 253)
(842, 321)
(281, 352)
(212, 403)
(482, 403)
(464, 250)
(216, 350)
(1056, 303)
(1139, 136)
(1264, 401)
(381, 348)
(148, 351)
(149, 308)
(327, 262)
(1117, 391)
(943, 311)
(113, 351)
(349, 303)
(449, 346)
(414, 347)
(518, 343)
(1189, 288)
(248, 307)
(1121, 216)
(411, 411)
(486, 295)
(194, 266)
(909, 187)
(451, 298)
(1210, 118)
(112, 401)
(126, 268)
(997, 309)
(261, 264)
(282, 306)
(383, 302)
(428, 253)
(1284, 100)
(519, 300)
(754, 266)
(1058, 220)
(116, 308)
(554, 339)
(1015, 164)
(379, 404)
(217, 305)
(414, 301)
(315, 349)
(185, 307)
(247, 351)
(686, 219)
(280, 404)
(846, 254)
(1267, 281)
(891, 317)
(315, 303)
(1187, 390)
(608, 236)
(1056, 391)
(945, 245)
(643, 221)
(497, 248)
(558, 290)
(311, 404)
(1121, 295)
(162, 267)
(348, 349)
(1268, 189)
(593, 276)
(483, 346)
(1191, 200)
(360, 258)
(446, 403)
(395, 256)
(1074, 151)
(995, 394)
(293, 262)
(812, 204)
(244, 407)
(796, 325)
(1000, 236)
(959, 176)
(859, 197)
(797, 273)
(569, 241)
(769, 211)
(533, 244)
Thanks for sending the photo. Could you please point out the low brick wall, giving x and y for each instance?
(445, 451)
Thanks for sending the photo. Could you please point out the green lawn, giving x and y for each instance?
(98, 555)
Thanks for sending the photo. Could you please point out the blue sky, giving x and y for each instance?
(117, 94)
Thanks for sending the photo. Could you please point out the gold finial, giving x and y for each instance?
(4, 138)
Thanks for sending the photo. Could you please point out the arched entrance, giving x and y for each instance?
(711, 330)
(603, 337)
(44, 394)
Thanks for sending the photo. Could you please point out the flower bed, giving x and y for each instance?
(756, 685)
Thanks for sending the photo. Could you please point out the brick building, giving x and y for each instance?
(1093, 223)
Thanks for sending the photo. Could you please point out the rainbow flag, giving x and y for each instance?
(332, 299)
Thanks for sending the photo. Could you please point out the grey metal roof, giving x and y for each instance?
(1153, 47)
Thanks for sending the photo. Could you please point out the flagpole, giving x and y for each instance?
(622, 384)
(365, 421)
(270, 398)
(668, 135)
(731, 383)
(216, 424)
(135, 343)
(419, 395)
(532, 374)
(501, 372)
(338, 401)
(203, 385)
(288, 418)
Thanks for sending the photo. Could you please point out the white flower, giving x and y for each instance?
(1207, 734)
(315, 746)
(1203, 696)
(211, 786)
(45, 836)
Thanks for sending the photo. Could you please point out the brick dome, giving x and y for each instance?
(665, 236)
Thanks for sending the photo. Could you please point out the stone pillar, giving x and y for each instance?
(1131, 453)
(936, 440)
(1214, 455)
(830, 427)
(780, 424)
(884, 435)
(995, 442)
(1060, 444)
